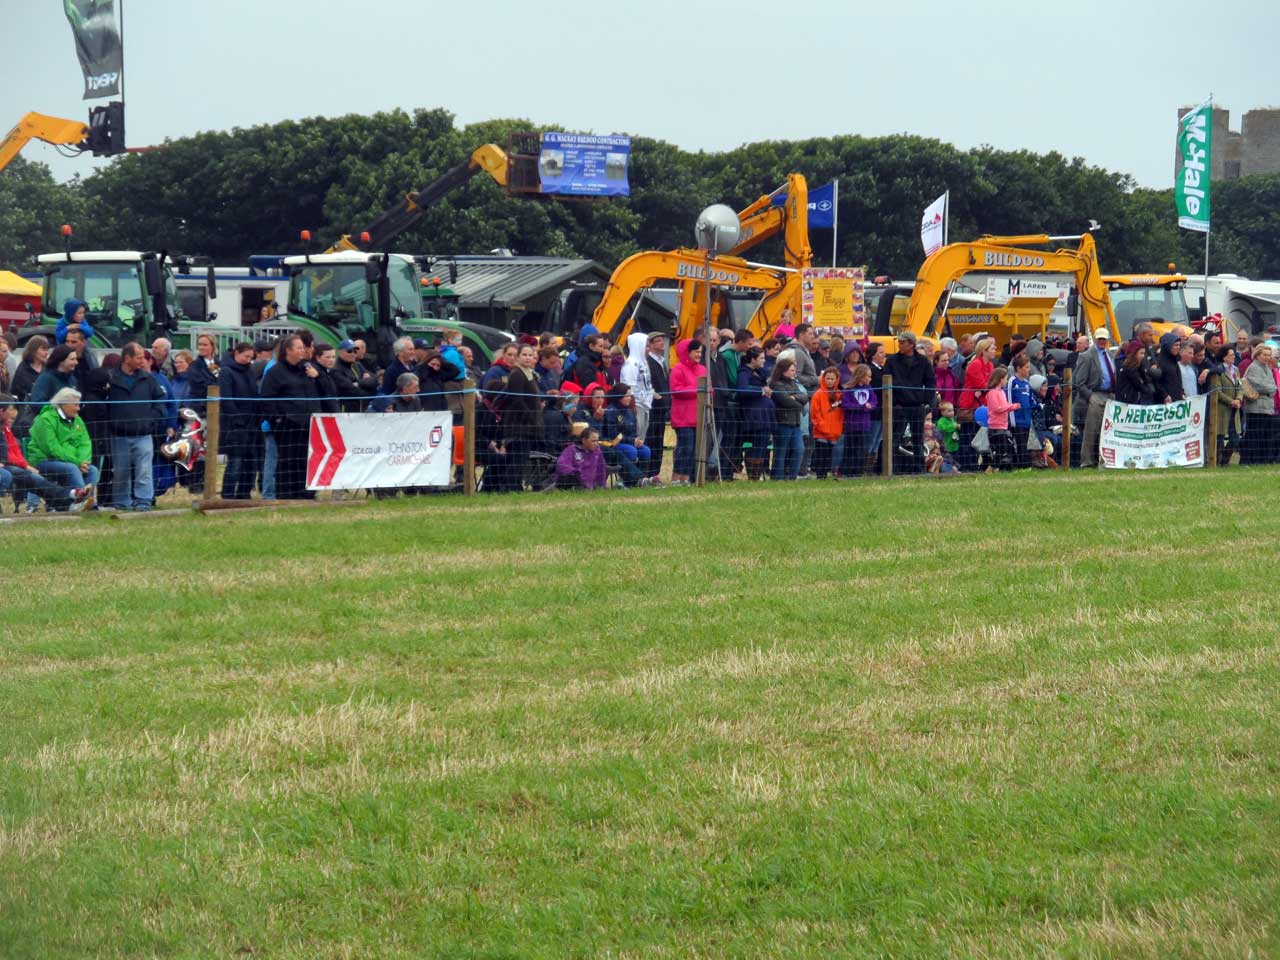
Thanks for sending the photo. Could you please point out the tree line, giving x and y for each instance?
(229, 194)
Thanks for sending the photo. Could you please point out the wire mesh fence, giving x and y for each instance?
(135, 441)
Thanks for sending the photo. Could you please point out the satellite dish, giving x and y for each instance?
(717, 229)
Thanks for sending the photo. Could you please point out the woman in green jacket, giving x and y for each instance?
(59, 443)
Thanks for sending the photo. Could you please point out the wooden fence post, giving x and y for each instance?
(1066, 420)
(212, 435)
(886, 427)
(469, 438)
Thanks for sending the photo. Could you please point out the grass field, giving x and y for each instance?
(995, 716)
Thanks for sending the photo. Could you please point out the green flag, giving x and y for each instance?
(1191, 184)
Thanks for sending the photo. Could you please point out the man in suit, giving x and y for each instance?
(1093, 383)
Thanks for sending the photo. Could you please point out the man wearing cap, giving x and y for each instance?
(261, 357)
(1094, 383)
(421, 347)
(914, 388)
(354, 384)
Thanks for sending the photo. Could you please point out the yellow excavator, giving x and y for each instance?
(490, 159)
(103, 135)
(760, 221)
(928, 314)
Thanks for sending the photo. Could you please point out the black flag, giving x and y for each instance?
(97, 45)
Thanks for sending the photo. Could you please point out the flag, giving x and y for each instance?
(97, 36)
(932, 224)
(822, 205)
(1191, 183)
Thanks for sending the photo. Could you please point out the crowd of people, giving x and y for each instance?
(79, 435)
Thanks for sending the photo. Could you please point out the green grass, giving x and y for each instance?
(994, 716)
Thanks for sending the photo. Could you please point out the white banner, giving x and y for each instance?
(1001, 290)
(1163, 435)
(351, 451)
(931, 232)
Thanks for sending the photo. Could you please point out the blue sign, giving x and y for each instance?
(822, 205)
(584, 165)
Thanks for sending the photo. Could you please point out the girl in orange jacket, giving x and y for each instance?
(828, 425)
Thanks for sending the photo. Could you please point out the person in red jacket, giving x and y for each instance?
(684, 406)
(972, 394)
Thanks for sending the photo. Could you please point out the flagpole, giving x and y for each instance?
(946, 216)
(835, 218)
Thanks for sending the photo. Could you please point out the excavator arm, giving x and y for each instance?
(1009, 255)
(690, 268)
(765, 219)
(489, 158)
(759, 222)
(37, 126)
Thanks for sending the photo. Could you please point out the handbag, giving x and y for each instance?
(964, 416)
(1033, 441)
(981, 441)
(1250, 391)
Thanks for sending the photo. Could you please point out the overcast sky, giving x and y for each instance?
(1086, 78)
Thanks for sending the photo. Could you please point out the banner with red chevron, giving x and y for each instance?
(353, 451)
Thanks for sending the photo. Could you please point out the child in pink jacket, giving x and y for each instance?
(999, 406)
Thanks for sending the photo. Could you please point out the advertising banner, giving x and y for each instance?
(1000, 290)
(1191, 185)
(933, 225)
(584, 165)
(1165, 435)
(97, 35)
(832, 299)
(351, 451)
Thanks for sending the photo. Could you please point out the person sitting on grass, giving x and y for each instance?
(59, 444)
(17, 473)
(581, 465)
(592, 411)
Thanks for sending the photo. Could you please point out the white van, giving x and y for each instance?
(242, 293)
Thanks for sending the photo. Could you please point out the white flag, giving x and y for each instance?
(932, 223)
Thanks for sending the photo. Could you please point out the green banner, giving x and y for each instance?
(1191, 184)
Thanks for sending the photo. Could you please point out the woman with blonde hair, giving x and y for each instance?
(1259, 389)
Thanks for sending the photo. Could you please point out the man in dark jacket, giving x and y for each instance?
(355, 383)
(241, 437)
(289, 399)
(913, 392)
(660, 410)
(406, 361)
(593, 362)
(718, 374)
(135, 412)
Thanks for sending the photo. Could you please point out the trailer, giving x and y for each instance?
(241, 295)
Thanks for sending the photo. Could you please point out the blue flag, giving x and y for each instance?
(822, 205)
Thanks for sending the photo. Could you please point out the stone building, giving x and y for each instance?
(1254, 149)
